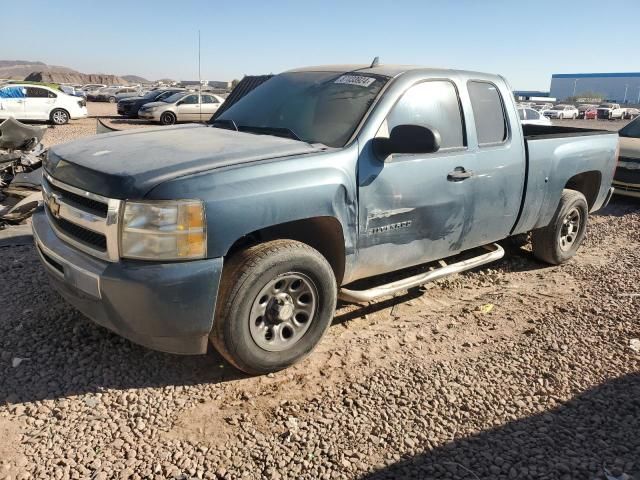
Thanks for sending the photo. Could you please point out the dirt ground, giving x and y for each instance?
(515, 371)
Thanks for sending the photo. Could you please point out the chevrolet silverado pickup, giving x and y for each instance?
(324, 183)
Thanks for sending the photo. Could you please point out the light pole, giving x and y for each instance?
(575, 82)
(626, 87)
(638, 95)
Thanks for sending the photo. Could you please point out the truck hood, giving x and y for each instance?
(128, 164)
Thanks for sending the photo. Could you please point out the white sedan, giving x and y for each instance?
(38, 102)
(562, 112)
(528, 116)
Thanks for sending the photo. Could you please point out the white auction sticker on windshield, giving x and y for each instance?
(358, 80)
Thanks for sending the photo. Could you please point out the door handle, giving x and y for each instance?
(459, 174)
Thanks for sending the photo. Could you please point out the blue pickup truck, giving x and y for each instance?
(245, 232)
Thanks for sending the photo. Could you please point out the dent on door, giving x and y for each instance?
(409, 216)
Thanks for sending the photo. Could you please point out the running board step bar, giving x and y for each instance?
(496, 252)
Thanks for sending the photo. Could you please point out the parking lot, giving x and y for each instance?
(520, 370)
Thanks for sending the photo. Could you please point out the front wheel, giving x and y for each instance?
(275, 302)
(559, 241)
(167, 118)
(112, 99)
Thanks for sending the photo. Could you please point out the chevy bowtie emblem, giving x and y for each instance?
(54, 206)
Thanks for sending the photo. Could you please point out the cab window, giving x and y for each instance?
(431, 104)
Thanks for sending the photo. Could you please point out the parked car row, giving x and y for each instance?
(113, 94)
(604, 111)
(168, 107)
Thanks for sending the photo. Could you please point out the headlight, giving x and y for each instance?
(163, 230)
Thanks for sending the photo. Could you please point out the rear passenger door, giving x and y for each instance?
(498, 166)
(39, 103)
(209, 106)
(415, 208)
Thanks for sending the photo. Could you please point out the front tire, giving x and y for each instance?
(112, 99)
(168, 118)
(559, 241)
(59, 116)
(275, 302)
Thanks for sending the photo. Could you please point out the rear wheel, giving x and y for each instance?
(112, 99)
(59, 116)
(275, 303)
(167, 118)
(559, 241)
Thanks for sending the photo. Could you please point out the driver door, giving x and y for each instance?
(416, 208)
(188, 109)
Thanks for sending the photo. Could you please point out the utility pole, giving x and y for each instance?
(199, 74)
(626, 87)
(638, 95)
(575, 82)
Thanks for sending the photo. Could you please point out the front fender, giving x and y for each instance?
(244, 198)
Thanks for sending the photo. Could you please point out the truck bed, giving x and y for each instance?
(557, 156)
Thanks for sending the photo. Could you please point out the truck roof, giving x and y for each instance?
(387, 70)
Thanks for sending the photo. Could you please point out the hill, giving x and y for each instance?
(49, 76)
(135, 79)
(19, 69)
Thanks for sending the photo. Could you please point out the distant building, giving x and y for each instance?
(205, 83)
(616, 87)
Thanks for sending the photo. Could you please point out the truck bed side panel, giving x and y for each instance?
(552, 161)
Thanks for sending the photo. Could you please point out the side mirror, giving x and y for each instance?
(179, 103)
(408, 139)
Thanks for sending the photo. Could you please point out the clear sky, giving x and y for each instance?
(526, 41)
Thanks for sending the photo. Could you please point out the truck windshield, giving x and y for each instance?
(316, 107)
(632, 129)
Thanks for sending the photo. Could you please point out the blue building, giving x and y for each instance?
(617, 87)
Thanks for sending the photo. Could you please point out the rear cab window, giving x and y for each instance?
(488, 113)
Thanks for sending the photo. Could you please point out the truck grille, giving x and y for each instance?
(85, 220)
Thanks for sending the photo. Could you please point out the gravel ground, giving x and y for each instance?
(87, 126)
(516, 371)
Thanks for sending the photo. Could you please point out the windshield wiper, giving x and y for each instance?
(226, 124)
(275, 131)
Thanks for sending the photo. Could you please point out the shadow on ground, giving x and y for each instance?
(620, 206)
(594, 431)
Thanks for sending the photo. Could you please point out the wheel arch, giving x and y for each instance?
(324, 233)
(587, 183)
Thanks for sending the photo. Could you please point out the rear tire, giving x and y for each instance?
(59, 116)
(168, 118)
(559, 241)
(275, 302)
(112, 99)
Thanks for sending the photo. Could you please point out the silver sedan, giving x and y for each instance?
(182, 107)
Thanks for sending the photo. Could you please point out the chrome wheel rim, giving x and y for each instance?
(570, 229)
(283, 311)
(59, 117)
